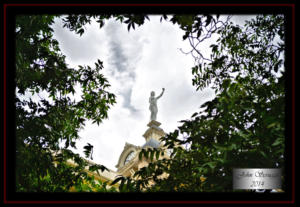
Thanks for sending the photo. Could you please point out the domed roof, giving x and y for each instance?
(151, 143)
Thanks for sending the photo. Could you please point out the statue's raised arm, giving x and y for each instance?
(163, 90)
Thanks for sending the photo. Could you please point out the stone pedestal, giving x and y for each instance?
(154, 131)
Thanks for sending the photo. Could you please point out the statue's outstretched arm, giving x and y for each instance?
(163, 90)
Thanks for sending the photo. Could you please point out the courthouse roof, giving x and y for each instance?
(151, 143)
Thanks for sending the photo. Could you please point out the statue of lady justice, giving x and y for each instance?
(153, 104)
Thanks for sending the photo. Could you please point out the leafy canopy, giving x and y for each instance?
(41, 164)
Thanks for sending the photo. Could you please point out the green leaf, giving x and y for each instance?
(151, 154)
(157, 154)
(272, 125)
(185, 36)
(208, 20)
(212, 165)
(195, 114)
(80, 31)
(199, 33)
(117, 180)
(278, 141)
(263, 154)
(141, 154)
(122, 184)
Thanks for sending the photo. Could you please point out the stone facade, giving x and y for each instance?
(152, 135)
(129, 162)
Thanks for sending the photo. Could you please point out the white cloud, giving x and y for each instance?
(81, 50)
(135, 63)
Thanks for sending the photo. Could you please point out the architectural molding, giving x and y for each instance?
(127, 149)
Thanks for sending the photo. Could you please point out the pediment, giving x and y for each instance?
(127, 149)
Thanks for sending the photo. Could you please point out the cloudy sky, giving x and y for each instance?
(135, 63)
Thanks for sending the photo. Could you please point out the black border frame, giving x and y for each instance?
(9, 197)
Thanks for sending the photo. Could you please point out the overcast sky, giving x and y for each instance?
(135, 63)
